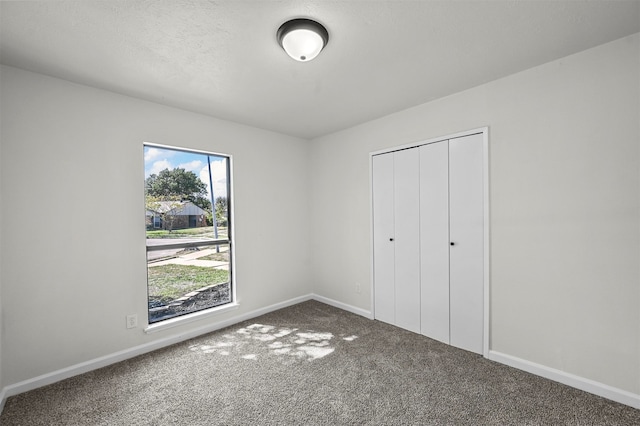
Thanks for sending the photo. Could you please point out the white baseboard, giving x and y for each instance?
(578, 382)
(343, 306)
(587, 385)
(103, 361)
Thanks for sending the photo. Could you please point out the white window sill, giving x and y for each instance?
(185, 319)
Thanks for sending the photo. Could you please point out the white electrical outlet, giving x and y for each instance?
(132, 321)
(358, 288)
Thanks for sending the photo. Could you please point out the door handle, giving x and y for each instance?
(390, 239)
(452, 243)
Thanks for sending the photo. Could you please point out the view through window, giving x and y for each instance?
(188, 231)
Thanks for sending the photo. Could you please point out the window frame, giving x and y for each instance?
(230, 241)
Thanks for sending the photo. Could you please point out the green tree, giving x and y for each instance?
(178, 183)
(221, 211)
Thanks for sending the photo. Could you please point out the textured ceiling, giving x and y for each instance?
(221, 58)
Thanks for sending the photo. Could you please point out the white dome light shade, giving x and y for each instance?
(302, 45)
(302, 39)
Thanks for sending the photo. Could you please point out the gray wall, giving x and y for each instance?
(70, 148)
(564, 193)
(1, 257)
(565, 237)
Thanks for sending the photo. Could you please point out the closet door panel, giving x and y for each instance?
(434, 240)
(407, 238)
(383, 231)
(467, 235)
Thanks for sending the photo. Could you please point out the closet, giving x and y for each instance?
(428, 239)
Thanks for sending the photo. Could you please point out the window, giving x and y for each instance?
(187, 202)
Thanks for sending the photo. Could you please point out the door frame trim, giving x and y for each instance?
(486, 196)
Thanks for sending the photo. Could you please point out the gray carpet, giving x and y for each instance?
(311, 364)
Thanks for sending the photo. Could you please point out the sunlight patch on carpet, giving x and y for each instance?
(306, 345)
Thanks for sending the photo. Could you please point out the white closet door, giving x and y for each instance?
(407, 238)
(466, 217)
(383, 232)
(434, 240)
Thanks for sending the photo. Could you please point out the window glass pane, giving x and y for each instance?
(190, 280)
(178, 195)
(187, 223)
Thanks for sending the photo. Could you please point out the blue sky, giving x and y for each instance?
(157, 159)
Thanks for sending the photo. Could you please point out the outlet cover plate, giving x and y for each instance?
(132, 321)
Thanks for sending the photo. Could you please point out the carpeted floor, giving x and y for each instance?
(311, 364)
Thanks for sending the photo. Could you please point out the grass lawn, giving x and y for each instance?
(169, 282)
(189, 232)
(220, 257)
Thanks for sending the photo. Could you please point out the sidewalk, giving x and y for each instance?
(193, 259)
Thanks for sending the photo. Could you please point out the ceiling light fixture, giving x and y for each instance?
(302, 39)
